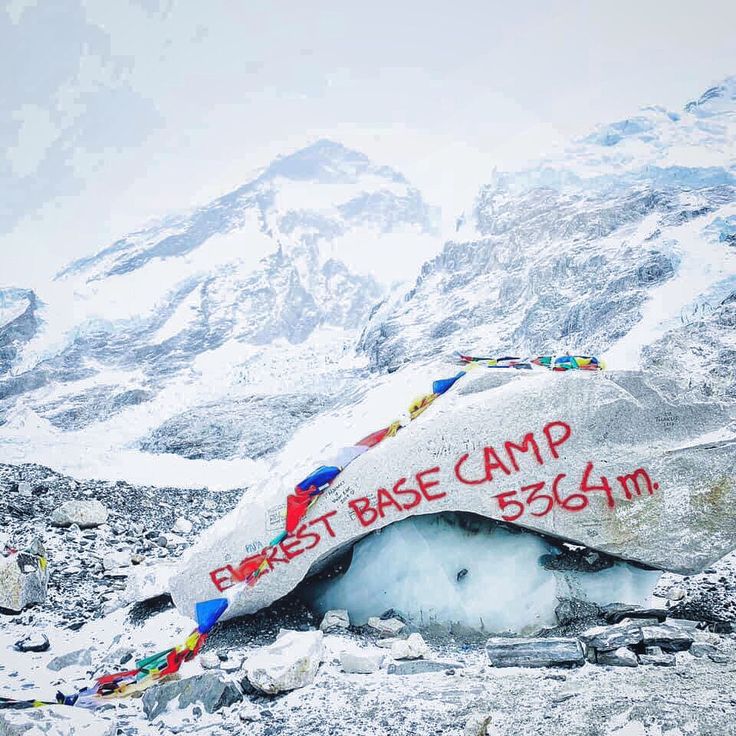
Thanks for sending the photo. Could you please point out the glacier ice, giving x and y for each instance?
(459, 568)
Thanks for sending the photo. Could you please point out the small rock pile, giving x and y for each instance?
(642, 637)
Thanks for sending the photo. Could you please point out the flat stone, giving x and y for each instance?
(621, 657)
(657, 457)
(718, 657)
(421, 667)
(669, 638)
(86, 514)
(658, 660)
(656, 614)
(609, 638)
(702, 649)
(535, 652)
(77, 658)
(211, 690)
(361, 662)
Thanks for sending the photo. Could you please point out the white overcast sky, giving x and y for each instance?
(116, 111)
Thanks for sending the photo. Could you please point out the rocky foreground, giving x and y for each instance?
(601, 672)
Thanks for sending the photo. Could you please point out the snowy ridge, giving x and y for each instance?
(172, 346)
(600, 248)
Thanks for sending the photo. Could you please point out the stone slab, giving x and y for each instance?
(535, 652)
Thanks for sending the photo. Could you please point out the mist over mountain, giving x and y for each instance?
(215, 334)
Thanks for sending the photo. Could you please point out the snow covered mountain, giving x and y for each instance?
(192, 348)
(622, 242)
(183, 337)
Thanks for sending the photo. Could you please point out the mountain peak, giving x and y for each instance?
(718, 99)
(326, 161)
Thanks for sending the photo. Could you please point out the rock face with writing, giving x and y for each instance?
(603, 460)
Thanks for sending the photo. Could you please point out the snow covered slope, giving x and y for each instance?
(186, 350)
(176, 338)
(621, 239)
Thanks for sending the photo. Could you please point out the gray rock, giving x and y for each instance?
(86, 514)
(289, 663)
(115, 560)
(609, 638)
(249, 713)
(386, 627)
(209, 661)
(25, 488)
(55, 720)
(24, 576)
(574, 611)
(718, 657)
(413, 647)
(33, 643)
(182, 526)
(658, 658)
(211, 690)
(361, 662)
(146, 582)
(632, 612)
(337, 619)
(534, 652)
(421, 667)
(621, 657)
(669, 638)
(77, 658)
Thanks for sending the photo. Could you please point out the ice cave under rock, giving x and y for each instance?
(461, 568)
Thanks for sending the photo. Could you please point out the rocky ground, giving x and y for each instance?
(93, 626)
(89, 567)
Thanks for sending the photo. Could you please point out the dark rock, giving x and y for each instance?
(657, 614)
(658, 659)
(669, 638)
(535, 652)
(33, 643)
(621, 657)
(211, 690)
(574, 611)
(578, 560)
(608, 638)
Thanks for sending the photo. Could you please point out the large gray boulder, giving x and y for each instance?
(24, 576)
(211, 690)
(602, 459)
